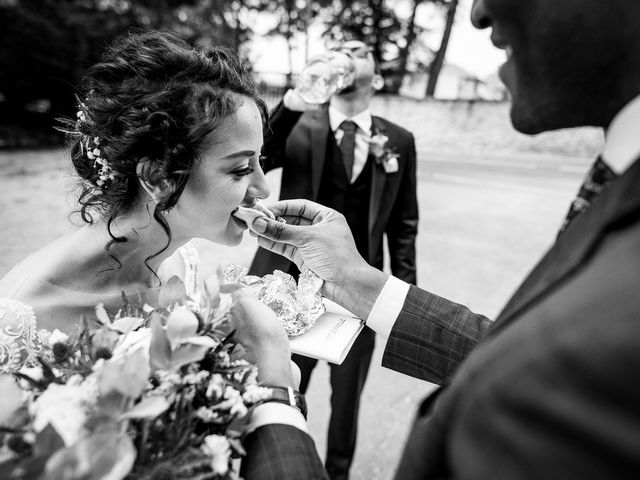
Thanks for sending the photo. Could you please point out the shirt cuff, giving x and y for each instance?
(388, 306)
(273, 412)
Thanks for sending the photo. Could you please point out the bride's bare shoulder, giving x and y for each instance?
(60, 263)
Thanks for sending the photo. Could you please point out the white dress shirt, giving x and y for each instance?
(363, 134)
(622, 148)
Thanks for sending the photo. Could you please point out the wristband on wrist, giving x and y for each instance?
(287, 396)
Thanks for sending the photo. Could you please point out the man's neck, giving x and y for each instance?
(351, 104)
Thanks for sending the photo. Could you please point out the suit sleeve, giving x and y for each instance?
(281, 122)
(432, 336)
(403, 224)
(281, 452)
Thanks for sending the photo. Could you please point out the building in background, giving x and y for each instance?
(454, 83)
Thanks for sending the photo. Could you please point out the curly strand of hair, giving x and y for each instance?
(113, 241)
(88, 202)
(159, 217)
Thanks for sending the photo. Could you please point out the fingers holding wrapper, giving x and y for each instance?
(249, 214)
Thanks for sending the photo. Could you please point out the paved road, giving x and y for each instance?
(484, 222)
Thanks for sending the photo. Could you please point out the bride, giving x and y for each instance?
(167, 142)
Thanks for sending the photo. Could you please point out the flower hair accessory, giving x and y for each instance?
(383, 154)
(91, 147)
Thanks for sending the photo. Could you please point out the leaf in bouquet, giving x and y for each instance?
(126, 324)
(47, 372)
(187, 353)
(106, 412)
(160, 350)
(102, 456)
(236, 446)
(150, 407)
(48, 441)
(172, 292)
(102, 315)
(182, 323)
(128, 376)
(11, 398)
(30, 468)
(201, 340)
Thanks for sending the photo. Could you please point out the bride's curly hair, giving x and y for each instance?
(145, 111)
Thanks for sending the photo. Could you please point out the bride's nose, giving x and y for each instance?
(259, 187)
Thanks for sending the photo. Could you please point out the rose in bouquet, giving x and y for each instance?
(145, 393)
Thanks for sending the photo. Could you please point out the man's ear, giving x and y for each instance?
(377, 82)
(154, 182)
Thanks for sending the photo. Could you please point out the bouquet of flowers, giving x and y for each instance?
(146, 393)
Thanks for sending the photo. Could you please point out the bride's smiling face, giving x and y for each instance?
(227, 175)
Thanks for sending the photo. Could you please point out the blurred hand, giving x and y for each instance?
(293, 101)
(265, 342)
(318, 238)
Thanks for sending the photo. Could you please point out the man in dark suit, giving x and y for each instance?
(363, 166)
(549, 389)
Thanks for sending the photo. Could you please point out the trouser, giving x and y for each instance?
(347, 381)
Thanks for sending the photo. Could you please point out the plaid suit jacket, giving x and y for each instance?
(550, 391)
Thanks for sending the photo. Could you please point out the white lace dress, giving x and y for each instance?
(22, 338)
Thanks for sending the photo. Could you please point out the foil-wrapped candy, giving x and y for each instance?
(297, 305)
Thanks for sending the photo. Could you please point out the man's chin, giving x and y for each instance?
(526, 120)
(533, 121)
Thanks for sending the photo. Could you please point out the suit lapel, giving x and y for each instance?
(378, 177)
(613, 206)
(319, 129)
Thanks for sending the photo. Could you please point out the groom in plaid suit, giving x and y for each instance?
(548, 390)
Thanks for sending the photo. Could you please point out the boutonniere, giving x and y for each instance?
(383, 153)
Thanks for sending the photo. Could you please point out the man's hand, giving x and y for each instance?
(265, 342)
(318, 238)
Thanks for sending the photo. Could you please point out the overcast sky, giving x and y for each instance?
(471, 48)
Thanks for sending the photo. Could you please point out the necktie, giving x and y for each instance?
(599, 176)
(348, 145)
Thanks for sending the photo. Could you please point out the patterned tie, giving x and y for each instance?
(348, 145)
(599, 176)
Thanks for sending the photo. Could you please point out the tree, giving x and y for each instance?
(46, 45)
(373, 22)
(295, 16)
(438, 61)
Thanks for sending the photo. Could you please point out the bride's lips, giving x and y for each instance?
(241, 223)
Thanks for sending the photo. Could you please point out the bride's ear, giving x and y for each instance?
(154, 182)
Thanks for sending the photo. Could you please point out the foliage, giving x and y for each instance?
(144, 394)
(393, 37)
(46, 45)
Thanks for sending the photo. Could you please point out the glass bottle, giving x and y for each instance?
(325, 75)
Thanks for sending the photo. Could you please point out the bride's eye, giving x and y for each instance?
(243, 172)
(261, 160)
